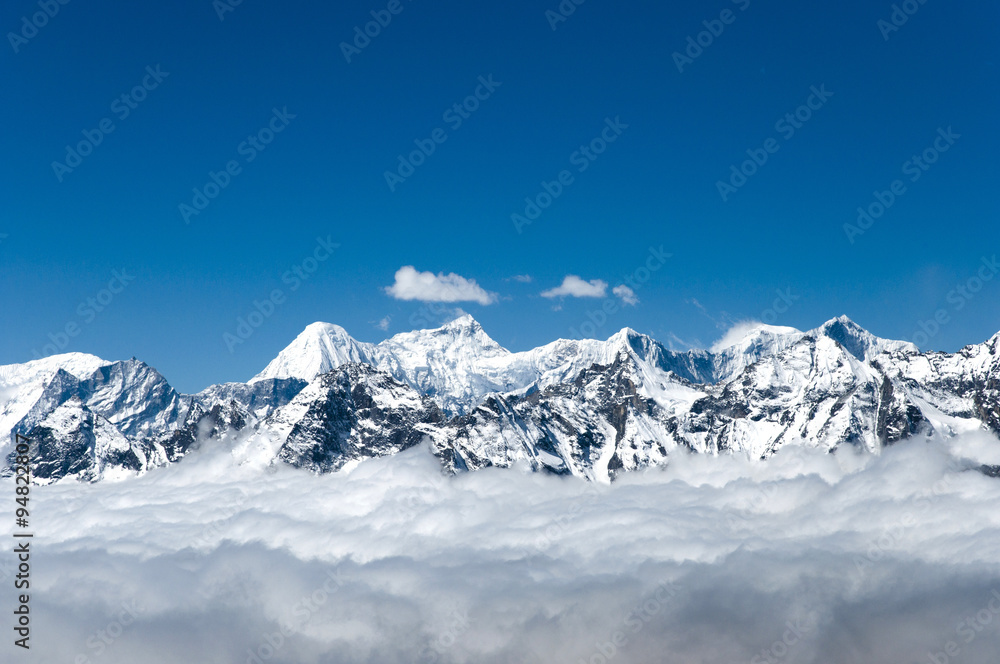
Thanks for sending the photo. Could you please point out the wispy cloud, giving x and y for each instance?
(735, 334)
(674, 342)
(626, 294)
(723, 321)
(384, 323)
(574, 286)
(429, 287)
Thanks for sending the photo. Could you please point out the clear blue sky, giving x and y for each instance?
(324, 173)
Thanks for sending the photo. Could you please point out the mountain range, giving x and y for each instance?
(588, 408)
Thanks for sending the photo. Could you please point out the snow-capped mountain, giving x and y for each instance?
(609, 418)
(458, 364)
(588, 408)
(320, 348)
(22, 387)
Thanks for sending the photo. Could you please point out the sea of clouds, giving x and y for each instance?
(808, 557)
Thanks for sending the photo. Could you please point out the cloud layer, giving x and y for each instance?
(429, 287)
(809, 557)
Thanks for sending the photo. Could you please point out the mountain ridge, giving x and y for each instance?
(584, 407)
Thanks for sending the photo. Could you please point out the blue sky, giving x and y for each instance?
(185, 279)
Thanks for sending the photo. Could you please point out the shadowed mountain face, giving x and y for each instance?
(587, 408)
(356, 412)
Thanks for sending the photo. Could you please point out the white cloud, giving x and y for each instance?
(626, 294)
(574, 286)
(523, 278)
(384, 323)
(873, 558)
(428, 287)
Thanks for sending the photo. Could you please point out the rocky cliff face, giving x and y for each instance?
(73, 440)
(354, 412)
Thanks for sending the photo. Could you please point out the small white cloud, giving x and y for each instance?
(626, 294)
(428, 287)
(384, 323)
(574, 286)
(523, 278)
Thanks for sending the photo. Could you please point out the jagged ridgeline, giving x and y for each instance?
(587, 408)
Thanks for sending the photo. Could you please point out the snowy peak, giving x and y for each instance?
(319, 348)
(456, 364)
(133, 396)
(463, 322)
(858, 341)
(748, 335)
(80, 365)
(654, 358)
(323, 347)
(747, 344)
(22, 385)
(463, 333)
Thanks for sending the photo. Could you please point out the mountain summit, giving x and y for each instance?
(320, 348)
